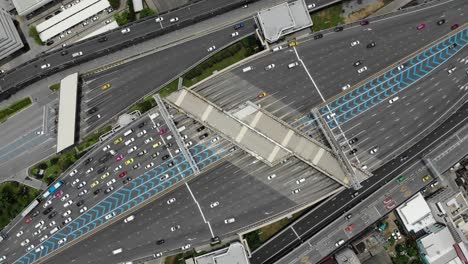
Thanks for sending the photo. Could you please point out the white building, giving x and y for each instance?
(10, 40)
(416, 214)
(439, 247)
(24, 7)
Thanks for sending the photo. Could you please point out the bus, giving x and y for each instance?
(52, 189)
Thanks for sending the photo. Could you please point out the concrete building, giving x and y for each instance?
(67, 112)
(234, 254)
(10, 40)
(283, 19)
(24, 7)
(416, 214)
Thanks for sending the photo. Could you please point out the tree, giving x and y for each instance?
(35, 35)
(122, 18)
(146, 12)
(131, 11)
(115, 3)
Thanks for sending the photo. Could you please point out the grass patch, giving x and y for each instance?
(13, 199)
(55, 166)
(55, 87)
(170, 88)
(328, 17)
(35, 35)
(93, 139)
(9, 111)
(146, 12)
(224, 58)
(144, 105)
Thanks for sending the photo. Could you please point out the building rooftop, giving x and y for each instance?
(438, 247)
(234, 254)
(24, 7)
(10, 40)
(415, 213)
(67, 112)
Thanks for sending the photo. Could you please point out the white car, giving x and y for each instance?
(84, 23)
(374, 150)
(210, 49)
(339, 243)
(269, 67)
(141, 133)
(25, 242)
(177, 151)
(149, 165)
(300, 181)
(394, 99)
(63, 240)
(188, 144)
(330, 116)
(214, 204)
(174, 19)
(109, 183)
(49, 202)
(109, 216)
(106, 148)
(165, 176)
(452, 70)
(73, 172)
(45, 66)
(95, 18)
(159, 19)
(75, 182)
(277, 48)
(171, 200)
(39, 224)
(83, 209)
(345, 87)
(401, 67)
(132, 149)
(83, 192)
(125, 30)
(30, 247)
(39, 249)
(19, 233)
(43, 238)
(37, 232)
(82, 184)
(2, 258)
(68, 220)
(363, 69)
(129, 219)
(214, 139)
(293, 64)
(64, 198)
(68, 203)
(148, 140)
(296, 191)
(229, 220)
(108, 21)
(355, 43)
(174, 228)
(89, 170)
(234, 34)
(310, 6)
(185, 247)
(118, 168)
(271, 177)
(67, 213)
(51, 224)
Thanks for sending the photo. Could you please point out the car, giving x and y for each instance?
(188, 144)
(277, 48)
(109, 183)
(174, 19)
(132, 149)
(45, 66)
(401, 67)
(159, 19)
(170, 164)
(94, 184)
(141, 153)
(200, 128)
(95, 18)
(300, 181)
(157, 144)
(97, 191)
(118, 140)
(19, 233)
(83, 209)
(185, 247)
(353, 140)
(400, 179)
(67, 203)
(123, 174)
(426, 178)
(404, 158)
(168, 145)
(119, 157)
(84, 23)
(80, 203)
(67, 213)
(214, 140)
(174, 228)
(107, 22)
(229, 220)
(51, 224)
(141, 133)
(364, 23)
(52, 215)
(177, 151)
(338, 29)
(148, 140)
(106, 86)
(232, 149)
(374, 150)
(238, 26)
(129, 179)
(151, 164)
(339, 243)
(234, 34)
(318, 36)
(129, 219)
(269, 67)
(64, 198)
(43, 238)
(371, 45)
(69, 32)
(109, 216)
(452, 70)
(353, 151)
(125, 30)
(109, 10)
(31, 247)
(214, 204)
(164, 177)
(130, 161)
(396, 234)
(105, 175)
(162, 131)
(165, 157)
(310, 6)
(363, 69)
(25, 242)
(330, 116)
(350, 228)
(48, 210)
(73, 172)
(160, 242)
(63, 240)
(441, 22)
(118, 168)
(64, 52)
(82, 184)
(171, 200)
(394, 99)
(89, 170)
(454, 26)
(435, 183)
(346, 87)
(129, 142)
(136, 166)
(212, 48)
(296, 191)
(357, 63)
(28, 220)
(293, 64)
(421, 26)
(293, 43)
(83, 192)
(354, 43)
(47, 203)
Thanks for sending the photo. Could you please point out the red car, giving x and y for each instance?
(58, 194)
(28, 220)
(454, 26)
(364, 23)
(349, 228)
(421, 26)
(119, 157)
(162, 131)
(121, 175)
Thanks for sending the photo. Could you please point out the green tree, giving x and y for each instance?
(122, 18)
(131, 11)
(146, 12)
(115, 3)
(35, 35)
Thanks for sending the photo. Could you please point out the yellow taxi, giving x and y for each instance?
(128, 162)
(293, 43)
(106, 86)
(157, 144)
(426, 178)
(105, 175)
(117, 141)
(94, 184)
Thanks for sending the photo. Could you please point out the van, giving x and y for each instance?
(77, 54)
(246, 69)
(128, 132)
(117, 251)
(57, 228)
(169, 137)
